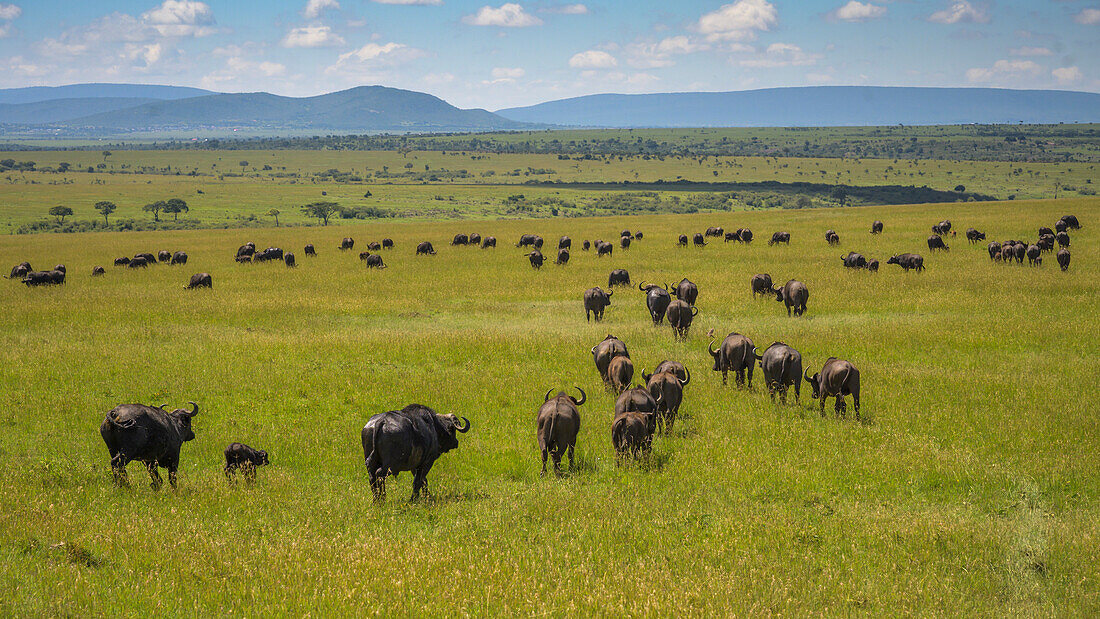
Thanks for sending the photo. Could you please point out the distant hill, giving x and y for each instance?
(35, 94)
(364, 109)
(60, 110)
(819, 106)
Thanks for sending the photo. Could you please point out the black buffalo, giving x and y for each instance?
(149, 258)
(761, 283)
(604, 249)
(680, 315)
(241, 457)
(699, 239)
(1046, 242)
(586, 245)
(1045, 231)
(831, 237)
(164, 255)
(782, 367)
(244, 259)
(475, 239)
(731, 236)
(557, 425)
(98, 270)
(677, 368)
(460, 239)
(288, 259)
(908, 261)
(410, 439)
(619, 373)
(745, 235)
(123, 261)
(994, 249)
(605, 351)
(872, 265)
(973, 235)
(793, 295)
(656, 300)
(936, 242)
(624, 242)
(682, 241)
(1063, 239)
(667, 391)
(1034, 255)
(374, 261)
(618, 277)
(310, 250)
(388, 243)
(179, 258)
(780, 237)
(876, 227)
(687, 291)
(374, 246)
(347, 243)
(247, 249)
(149, 435)
(838, 378)
(734, 355)
(1019, 250)
(536, 259)
(565, 243)
(537, 243)
(854, 261)
(20, 270)
(595, 300)
(638, 235)
(200, 280)
(425, 249)
(271, 253)
(563, 257)
(1070, 221)
(1063, 259)
(138, 263)
(714, 231)
(44, 278)
(489, 241)
(526, 240)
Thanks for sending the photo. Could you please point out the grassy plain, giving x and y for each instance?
(970, 488)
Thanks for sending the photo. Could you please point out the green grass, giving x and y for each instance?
(969, 489)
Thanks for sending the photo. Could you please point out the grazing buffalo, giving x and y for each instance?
(288, 259)
(699, 239)
(388, 243)
(734, 355)
(831, 237)
(164, 255)
(526, 240)
(656, 300)
(410, 439)
(374, 261)
(1034, 255)
(731, 236)
(908, 261)
(638, 235)
(98, 270)
(1045, 231)
(682, 241)
(872, 265)
(938, 230)
(374, 246)
(595, 300)
(625, 233)
(244, 259)
(563, 257)
(974, 236)
(536, 259)
(761, 283)
(667, 390)
(200, 280)
(1070, 221)
(347, 243)
(1019, 250)
(945, 225)
(677, 368)
(605, 351)
(618, 277)
(936, 242)
(687, 291)
(460, 239)
(271, 253)
(1063, 239)
(793, 295)
(44, 278)
(179, 258)
(537, 244)
(854, 261)
(241, 457)
(1046, 242)
(489, 241)
(247, 249)
(1063, 259)
(586, 245)
(876, 227)
(680, 315)
(838, 378)
(994, 249)
(20, 270)
(149, 435)
(425, 249)
(149, 258)
(565, 243)
(714, 231)
(557, 424)
(310, 250)
(624, 242)
(780, 237)
(746, 235)
(475, 239)
(363, 255)
(123, 261)
(604, 249)
(782, 367)
(138, 263)
(619, 373)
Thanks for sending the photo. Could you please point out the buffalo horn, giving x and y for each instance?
(548, 395)
(583, 399)
(641, 286)
(710, 348)
(465, 428)
(687, 377)
(694, 311)
(806, 375)
(194, 409)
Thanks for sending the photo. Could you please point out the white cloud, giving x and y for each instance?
(411, 2)
(508, 15)
(1088, 17)
(9, 12)
(651, 55)
(311, 36)
(437, 79)
(238, 68)
(782, 55)
(856, 11)
(146, 53)
(593, 59)
(567, 9)
(180, 18)
(960, 12)
(509, 73)
(373, 56)
(314, 8)
(1067, 75)
(1031, 51)
(1004, 69)
(632, 79)
(738, 21)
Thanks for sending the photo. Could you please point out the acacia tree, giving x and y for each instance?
(243, 165)
(61, 212)
(274, 213)
(154, 208)
(106, 208)
(106, 154)
(321, 210)
(175, 206)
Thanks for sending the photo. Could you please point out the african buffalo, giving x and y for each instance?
(994, 249)
(625, 233)
(244, 259)
(149, 435)
(699, 240)
(536, 259)
(876, 227)
(831, 237)
(537, 244)
(526, 240)
(164, 255)
(363, 255)
(347, 243)
(489, 241)
(854, 261)
(624, 242)
(667, 390)
(1034, 255)
(632, 434)
(475, 239)
(936, 242)
(239, 456)
(271, 253)
(288, 259)
(793, 295)
(1046, 242)
(247, 249)
(460, 239)
(1063, 239)
(734, 355)
(98, 270)
(410, 439)
(586, 245)
(605, 351)
(123, 261)
(872, 265)
(44, 278)
(680, 315)
(945, 225)
(1063, 259)
(200, 280)
(374, 246)
(595, 300)
(565, 243)
(604, 249)
(682, 241)
(638, 236)
(138, 263)
(687, 291)
(425, 249)
(1070, 221)
(149, 258)
(908, 261)
(677, 368)
(563, 257)
(938, 230)
(310, 250)
(374, 261)
(714, 231)
(558, 423)
(1044, 231)
(618, 277)
(619, 373)
(731, 236)
(637, 400)
(836, 379)
(20, 270)
(656, 300)
(388, 243)
(179, 258)
(761, 283)
(782, 367)
(974, 236)
(780, 237)
(746, 235)
(1019, 250)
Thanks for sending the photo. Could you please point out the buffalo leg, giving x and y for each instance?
(544, 454)
(555, 455)
(250, 473)
(855, 403)
(229, 470)
(840, 408)
(118, 469)
(586, 318)
(154, 474)
(750, 368)
(822, 405)
(725, 373)
(571, 458)
(378, 486)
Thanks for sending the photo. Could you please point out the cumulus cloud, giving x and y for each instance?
(9, 12)
(856, 11)
(593, 59)
(659, 54)
(508, 72)
(567, 9)
(1002, 69)
(411, 2)
(238, 68)
(1088, 17)
(960, 12)
(1031, 51)
(180, 18)
(374, 56)
(507, 15)
(1067, 75)
(314, 8)
(738, 21)
(148, 54)
(311, 36)
(781, 55)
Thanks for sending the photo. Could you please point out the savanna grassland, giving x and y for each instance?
(969, 487)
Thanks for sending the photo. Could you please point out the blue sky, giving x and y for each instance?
(500, 54)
